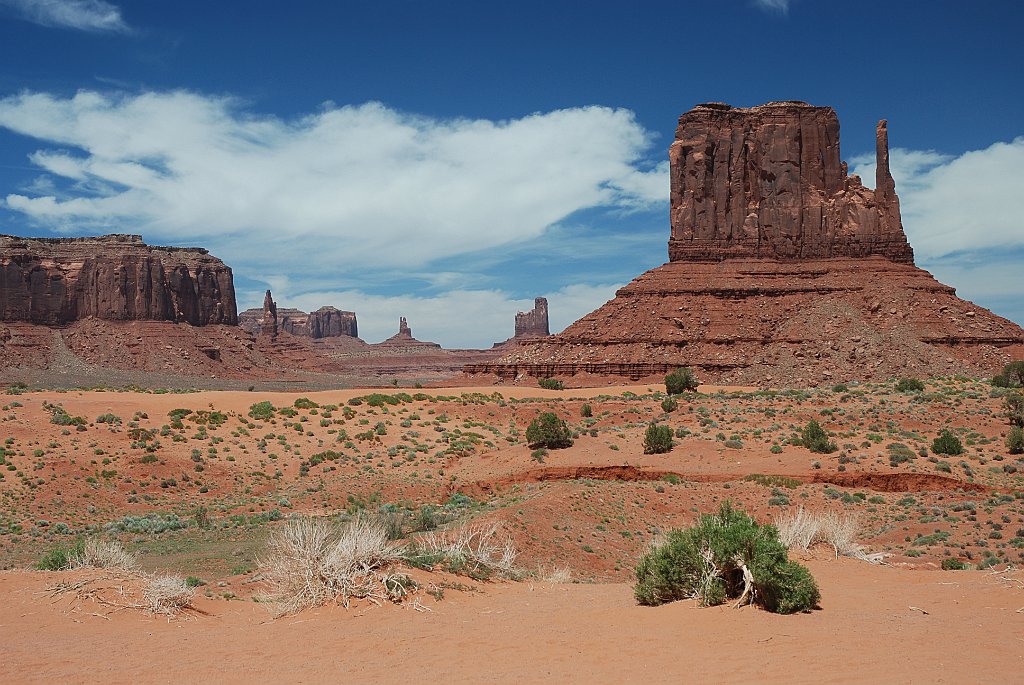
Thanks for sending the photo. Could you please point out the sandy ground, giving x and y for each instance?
(876, 624)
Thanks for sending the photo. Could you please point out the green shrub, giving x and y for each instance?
(1014, 406)
(841, 387)
(954, 564)
(815, 438)
(669, 405)
(547, 430)
(947, 443)
(706, 562)
(680, 381)
(305, 403)
(551, 384)
(909, 385)
(1015, 440)
(657, 439)
(1012, 375)
(586, 411)
(263, 411)
(60, 558)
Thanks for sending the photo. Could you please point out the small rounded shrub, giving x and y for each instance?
(909, 385)
(586, 411)
(547, 430)
(551, 384)
(680, 381)
(657, 439)
(815, 438)
(954, 564)
(669, 405)
(947, 443)
(706, 562)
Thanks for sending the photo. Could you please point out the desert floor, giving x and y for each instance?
(193, 483)
(875, 624)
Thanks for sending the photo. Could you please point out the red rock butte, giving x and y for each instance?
(782, 268)
(56, 281)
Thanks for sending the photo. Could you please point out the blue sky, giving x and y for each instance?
(449, 161)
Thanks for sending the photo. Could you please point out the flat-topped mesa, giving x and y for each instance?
(768, 182)
(56, 281)
(534, 323)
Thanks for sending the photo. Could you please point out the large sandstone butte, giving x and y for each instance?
(534, 323)
(783, 268)
(56, 281)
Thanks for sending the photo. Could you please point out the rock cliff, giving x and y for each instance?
(56, 281)
(768, 182)
(783, 270)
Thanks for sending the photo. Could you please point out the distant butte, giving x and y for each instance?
(783, 268)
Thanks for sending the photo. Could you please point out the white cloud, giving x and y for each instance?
(458, 318)
(962, 203)
(356, 185)
(781, 6)
(84, 15)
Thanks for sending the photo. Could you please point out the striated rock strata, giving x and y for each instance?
(783, 270)
(56, 281)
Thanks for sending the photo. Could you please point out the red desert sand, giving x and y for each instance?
(875, 624)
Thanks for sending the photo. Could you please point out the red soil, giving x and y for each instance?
(875, 624)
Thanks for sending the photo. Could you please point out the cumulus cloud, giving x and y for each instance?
(953, 204)
(84, 15)
(780, 6)
(457, 318)
(355, 185)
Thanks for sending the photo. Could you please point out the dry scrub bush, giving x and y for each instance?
(167, 594)
(801, 529)
(312, 561)
(99, 553)
(479, 550)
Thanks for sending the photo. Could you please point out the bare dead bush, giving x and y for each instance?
(167, 594)
(480, 550)
(100, 553)
(801, 529)
(312, 561)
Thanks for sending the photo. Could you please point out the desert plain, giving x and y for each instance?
(195, 483)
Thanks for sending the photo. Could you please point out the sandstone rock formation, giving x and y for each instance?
(534, 323)
(403, 338)
(768, 182)
(326, 322)
(783, 270)
(56, 281)
(268, 323)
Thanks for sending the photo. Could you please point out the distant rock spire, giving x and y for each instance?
(268, 327)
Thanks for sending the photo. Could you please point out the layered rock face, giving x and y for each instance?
(782, 269)
(56, 281)
(768, 182)
(534, 323)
